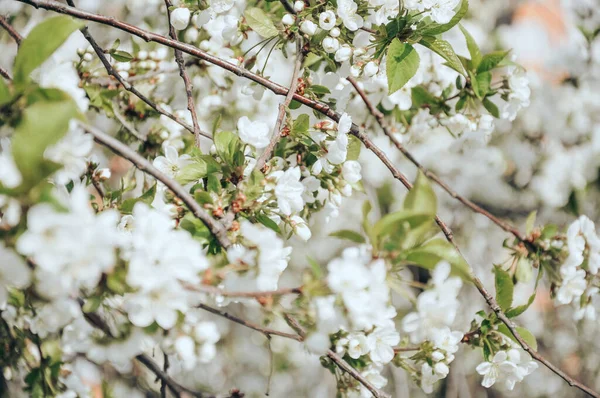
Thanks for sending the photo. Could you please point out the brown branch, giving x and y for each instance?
(476, 281)
(220, 292)
(339, 361)
(4, 73)
(177, 389)
(144, 165)
(316, 105)
(266, 331)
(185, 77)
(112, 72)
(277, 130)
(429, 174)
(11, 31)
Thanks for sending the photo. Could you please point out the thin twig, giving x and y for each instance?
(339, 361)
(280, 90)
(11, 31)
(177, 389)
(185, 77)
(144, 165)
(266, 331)
(111, 71)
(163, 384)
(429, 174)
(126, 124)
(220, 292)
(5, 74)
(277, 130)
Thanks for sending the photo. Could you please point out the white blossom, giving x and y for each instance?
(180, 18)
(253, 133)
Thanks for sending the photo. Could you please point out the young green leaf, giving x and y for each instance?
(432, 252)
(192, 172)
(260, 22)
(349, 235)
(473, 47)
(491, 60)
(5, 95)
(504, 288)
(460, 13)
(402, 64)
(445, 50)
(421, 198)
(42, 125)
(301, 124)
(524, 333)
(41, 42)
(491, 107)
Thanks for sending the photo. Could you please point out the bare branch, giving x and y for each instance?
(4, 73)
(111, 71)
(476, 281)
(266, 155)
(11, 31)
(126, 124)
(220, 292)
(185, 77)
(144, 165)
(429, 174)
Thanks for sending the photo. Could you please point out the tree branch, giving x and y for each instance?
(266, 155)
(429, 174)
(112, 72)
(476, 281)
(316, 105)
(185, 77)
(4, 73)
(144, 165)
(11, 31)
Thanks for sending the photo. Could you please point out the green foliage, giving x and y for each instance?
(445, 50)
(525, 334)
(41, 42)
(504, 288)
(260, 22)
(436, 29)
(491, 61)
(229, 148)
(147, 198)
(421, 198)
(202, 166)
(43, 124)
(472, 47)
(402, 64)
(301, 124)
(354, 146)
(432, 252)
(348, 235)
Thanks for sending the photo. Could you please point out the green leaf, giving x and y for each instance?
(40, 43)
(192, 172)
(403, 219)
(301, 124)
(349, 235)
(354, 146)
(402, 64)
(147, 198)
(260, 22)
(437, 29)
(432, 252)
(267, 222)
(319, 90)
(421, 96)
(121, 56)
(228, 145)
(421, 198)
(524, 333)
(491, 107)
(445, 50)
(473, 47)
(43, 124)
(518, 310)
(504, 288)
(491, 60)
(482, 81)
(315, 268)
(5, 95)
(530, 223)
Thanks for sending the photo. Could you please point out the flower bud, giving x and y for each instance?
(299, 6)
(335, 32)
(371, 69)
(103, 174)
(343, 54)
(308, 27)
(288, 19)
(330, 45)
(180, 18)
(327, 20)
(191, 35)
